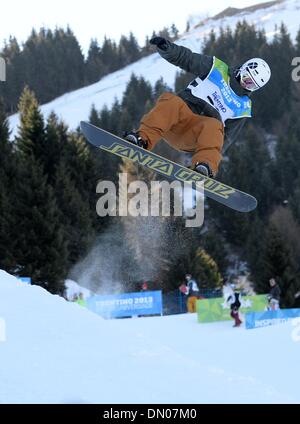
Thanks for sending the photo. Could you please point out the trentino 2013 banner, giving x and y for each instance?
(126, 304)
(211, 310)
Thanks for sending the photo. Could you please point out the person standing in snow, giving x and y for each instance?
(274, 295)
(213, 106)
(192, 293)
(233, 299)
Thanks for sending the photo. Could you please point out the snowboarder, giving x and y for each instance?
(233, 299)
(214, 104)
(274, 295)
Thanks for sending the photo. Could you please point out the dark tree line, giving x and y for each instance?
(51, 63)
(47, 197)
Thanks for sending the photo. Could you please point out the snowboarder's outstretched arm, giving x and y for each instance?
(195, 63)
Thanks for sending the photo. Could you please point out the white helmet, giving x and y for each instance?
(254, 74)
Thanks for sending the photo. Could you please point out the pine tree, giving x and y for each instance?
(31, 139)
(252, 245)
(128, 50)
(214, 244)
(277, 92)
(10, 91)
(136, 95)
(159, 88)
(41, 250)
(69, 60)
(284, 220)
(109, 55)
(147, 48)
(287, 164)
(94, 117)
(94, 68)
(7, 185)
(165, 33)
(252, 170)
(174, 32)
(298, 40)
(182, 80)
(116, 127)
(294, 200)
(205, 270)
(277, 262)
(75, 215)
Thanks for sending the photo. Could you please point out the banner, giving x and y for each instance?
(212, 310)
(26, 280)
(266, 318)
(127, 304)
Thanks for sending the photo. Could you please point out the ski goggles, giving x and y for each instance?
(247, 81)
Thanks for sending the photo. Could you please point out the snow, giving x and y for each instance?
(55, 351)
(75, 106)
(74, 289)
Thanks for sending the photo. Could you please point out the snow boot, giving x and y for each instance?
(134, 138)
(235, 316)
(204, 169)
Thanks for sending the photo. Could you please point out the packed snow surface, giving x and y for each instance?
(54, 351)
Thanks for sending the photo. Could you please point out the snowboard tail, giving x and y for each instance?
(222, 193)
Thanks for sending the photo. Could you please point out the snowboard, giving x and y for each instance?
(216, 190)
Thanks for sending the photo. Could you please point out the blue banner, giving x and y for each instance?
(126, 304)
(26, 280)
(266, 318)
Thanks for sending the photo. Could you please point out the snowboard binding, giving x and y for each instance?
(134, 138)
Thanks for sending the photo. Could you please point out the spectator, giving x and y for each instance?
(274, 295)
(144, 286)
(233, 299)
(192, 293)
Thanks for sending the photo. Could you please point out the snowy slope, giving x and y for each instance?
(75, 106)
(57, 352)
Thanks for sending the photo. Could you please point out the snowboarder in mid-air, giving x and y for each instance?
(212, 106)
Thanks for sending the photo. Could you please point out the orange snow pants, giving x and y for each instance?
(172, 120)
(191, 304)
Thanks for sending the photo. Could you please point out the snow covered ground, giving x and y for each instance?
(75, 106)
(53, 351)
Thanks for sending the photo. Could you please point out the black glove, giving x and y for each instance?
(160, 42)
